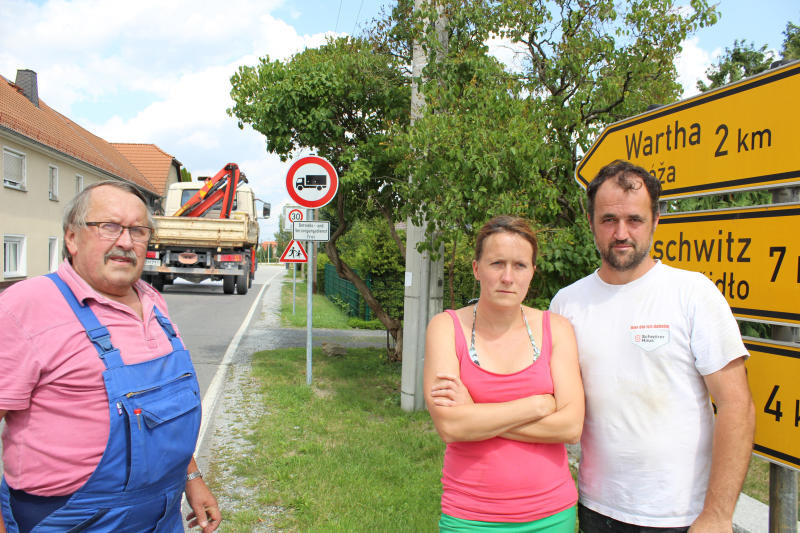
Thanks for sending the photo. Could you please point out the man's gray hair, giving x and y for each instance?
(77, 208)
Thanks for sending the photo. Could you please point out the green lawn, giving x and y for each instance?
(324, 314)
(337, 456)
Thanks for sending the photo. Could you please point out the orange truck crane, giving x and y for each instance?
(210, 231)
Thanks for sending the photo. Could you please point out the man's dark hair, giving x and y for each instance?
(625, 174)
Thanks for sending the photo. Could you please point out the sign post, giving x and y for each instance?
(311, 182)
(294, 253)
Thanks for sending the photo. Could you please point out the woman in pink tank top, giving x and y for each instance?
(503, 386)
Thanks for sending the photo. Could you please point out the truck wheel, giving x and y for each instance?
(241, 283)
(228, 284)
(158, 282)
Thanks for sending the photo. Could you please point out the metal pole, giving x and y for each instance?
(294, 284)
(309, 287)
(782, 499)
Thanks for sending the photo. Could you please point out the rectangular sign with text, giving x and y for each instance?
(741, 136)
(773, 372)
(317, 230)
(751, 255)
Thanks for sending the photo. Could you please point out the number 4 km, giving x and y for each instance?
(781, 251)
(776, 411)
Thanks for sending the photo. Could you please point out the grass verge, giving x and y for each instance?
(324, 314)
(337, 456)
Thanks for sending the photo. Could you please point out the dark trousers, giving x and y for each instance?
(593, 522)
(29, 509)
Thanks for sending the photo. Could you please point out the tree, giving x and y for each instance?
(741, 61)
(744, 59)
(499, 140)
(791, 42)
(493, 139)
(341, 100)
(185, 175)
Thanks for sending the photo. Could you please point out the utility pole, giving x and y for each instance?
(423, 277)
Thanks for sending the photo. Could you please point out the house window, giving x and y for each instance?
(52, 253)
(13, 256)
(53, 187)
(13, 169)
(78, 183)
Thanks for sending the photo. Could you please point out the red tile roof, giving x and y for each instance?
(153, 162)
(50, 128)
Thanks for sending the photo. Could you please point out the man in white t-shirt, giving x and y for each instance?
(654, 342)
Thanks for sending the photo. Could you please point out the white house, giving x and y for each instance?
(46, 158)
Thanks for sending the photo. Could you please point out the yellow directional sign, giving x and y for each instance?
(773, 372)
(752, 255)
(741, 136)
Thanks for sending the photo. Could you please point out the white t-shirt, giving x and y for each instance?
(644, 348)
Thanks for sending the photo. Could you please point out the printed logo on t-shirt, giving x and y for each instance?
(650, 336)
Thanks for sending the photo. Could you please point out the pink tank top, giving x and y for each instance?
(503, 480)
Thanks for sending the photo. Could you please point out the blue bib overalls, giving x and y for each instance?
(154, 411)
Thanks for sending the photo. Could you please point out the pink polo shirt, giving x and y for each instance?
(51, 380)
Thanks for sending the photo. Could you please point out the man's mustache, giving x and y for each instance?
(119, 252)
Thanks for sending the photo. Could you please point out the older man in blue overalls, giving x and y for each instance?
(100, 397)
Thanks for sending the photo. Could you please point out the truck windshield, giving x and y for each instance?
(213, 211)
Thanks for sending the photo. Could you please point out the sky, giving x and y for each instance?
(157, 71)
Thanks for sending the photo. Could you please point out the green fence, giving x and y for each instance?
(345, 291)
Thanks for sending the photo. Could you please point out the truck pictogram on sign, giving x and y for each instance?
(312, 181)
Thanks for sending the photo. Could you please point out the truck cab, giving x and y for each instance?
(179, 193)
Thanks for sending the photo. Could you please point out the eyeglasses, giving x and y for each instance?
(112, 231)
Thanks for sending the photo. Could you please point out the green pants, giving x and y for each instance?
(562, 522)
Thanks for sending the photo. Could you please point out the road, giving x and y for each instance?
(208, 319)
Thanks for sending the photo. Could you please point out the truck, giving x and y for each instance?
(320, 181)
(209, 230)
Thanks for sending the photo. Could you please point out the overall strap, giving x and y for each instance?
(166, 325)
(98, 334)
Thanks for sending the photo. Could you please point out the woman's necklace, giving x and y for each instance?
(473, 354)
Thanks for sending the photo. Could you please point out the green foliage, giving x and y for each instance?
(741, 61)
(498, 141)
(283, 237)
(736, 199)
(357, 323)
(343, 306)
(185, 175)
(490, 140)
(791, 41)
(369, 248)
(322, 260)
(744, 59)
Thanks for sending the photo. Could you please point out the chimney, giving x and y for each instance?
(26, 80)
